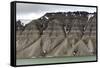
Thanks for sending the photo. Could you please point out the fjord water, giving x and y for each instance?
(65, 59)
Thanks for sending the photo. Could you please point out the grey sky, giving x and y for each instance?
(34, 11)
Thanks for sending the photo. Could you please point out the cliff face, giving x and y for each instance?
(58, 34)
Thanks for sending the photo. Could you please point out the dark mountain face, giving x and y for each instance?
(19, 25)
(53, 35)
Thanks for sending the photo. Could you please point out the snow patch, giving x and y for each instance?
(90, 15)
(46, 17)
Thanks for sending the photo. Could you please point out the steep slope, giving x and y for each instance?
(58, 34)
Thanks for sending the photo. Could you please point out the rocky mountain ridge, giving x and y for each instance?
(57, 34)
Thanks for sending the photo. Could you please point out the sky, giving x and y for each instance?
(27, 12)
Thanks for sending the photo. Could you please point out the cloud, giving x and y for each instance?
(33, 11)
